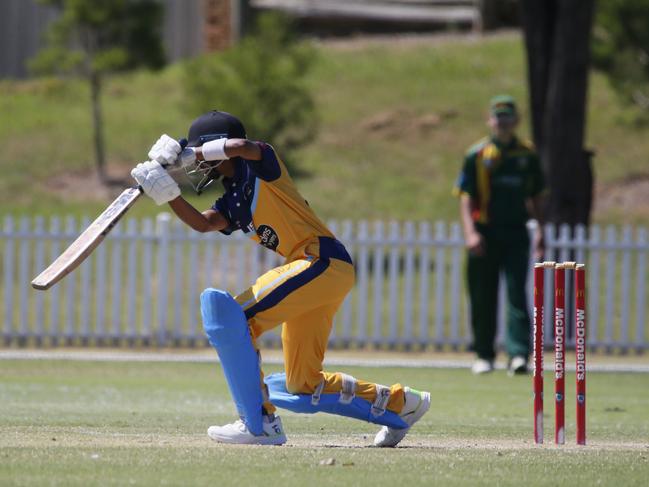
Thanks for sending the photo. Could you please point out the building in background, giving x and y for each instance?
(192, 27)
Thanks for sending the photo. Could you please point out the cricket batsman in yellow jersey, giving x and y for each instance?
(302, 295)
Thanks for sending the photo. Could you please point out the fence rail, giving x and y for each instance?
(142, 285)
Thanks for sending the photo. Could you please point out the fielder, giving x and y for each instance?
(302, 295)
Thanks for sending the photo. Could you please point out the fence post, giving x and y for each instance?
(39, 263)
(162, 232)
(625, 294)
(393, 282)
(71, 299)
(377, 264)
(611, 237)
(457, 243)
(54, 329)
(641, 240)
(408, 285)
(86, 269)
(131, 280)
(593, 286)
(8, 278)
(424, 269)
(440, 281)
(23, 280)
(193, 295)
(362, 260)
(100, 295)
(116, 292)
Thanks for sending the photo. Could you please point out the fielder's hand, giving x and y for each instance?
(165, 151)
(156, 182)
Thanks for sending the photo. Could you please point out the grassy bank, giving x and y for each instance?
(395, 117)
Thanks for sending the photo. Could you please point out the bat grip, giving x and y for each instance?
(183, 143)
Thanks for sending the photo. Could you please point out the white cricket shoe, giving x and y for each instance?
(482, 366)
(517, 366)
(416, 405)
(237, 433)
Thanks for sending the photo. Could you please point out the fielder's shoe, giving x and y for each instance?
(482, 366)
(517, 366)
(416, 405)
(237, 433)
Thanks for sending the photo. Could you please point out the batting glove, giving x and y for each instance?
(156, 182)
(165, 150)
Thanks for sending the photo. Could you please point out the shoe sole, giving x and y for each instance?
(257, 440)
(422, 409)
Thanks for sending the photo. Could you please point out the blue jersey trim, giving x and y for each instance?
(253, 205)
(290, 285)
(267, 168)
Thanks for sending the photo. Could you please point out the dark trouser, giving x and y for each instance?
(507, 250)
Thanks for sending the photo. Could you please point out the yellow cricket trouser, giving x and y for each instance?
(303, 296)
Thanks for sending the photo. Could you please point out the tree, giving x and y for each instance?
(557, 39)
(621, 48)
(92, 38)
(261, 80)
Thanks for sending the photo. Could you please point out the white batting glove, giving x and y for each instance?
(156, 182)
(165, 150)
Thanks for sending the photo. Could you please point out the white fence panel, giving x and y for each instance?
(142, 285)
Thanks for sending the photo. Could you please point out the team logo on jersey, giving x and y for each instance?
(268, 237)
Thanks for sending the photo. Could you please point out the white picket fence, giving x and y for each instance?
(142, 285)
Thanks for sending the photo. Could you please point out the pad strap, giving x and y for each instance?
(348, 391)
(264, 388)
(315, 397)
(381, 401)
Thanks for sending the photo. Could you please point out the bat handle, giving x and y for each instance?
(183, 143)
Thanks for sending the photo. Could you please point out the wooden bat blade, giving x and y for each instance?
(85, 243)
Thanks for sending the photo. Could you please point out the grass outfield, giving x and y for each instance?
(106, 423)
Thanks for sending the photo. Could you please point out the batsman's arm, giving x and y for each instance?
(208, 221)
(228, 148)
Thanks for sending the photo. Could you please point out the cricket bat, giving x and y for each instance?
(88, 241)
(92, 236)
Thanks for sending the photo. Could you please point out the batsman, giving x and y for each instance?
(302, 295)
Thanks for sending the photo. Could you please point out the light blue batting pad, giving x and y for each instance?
(227, 329)
(329, 403)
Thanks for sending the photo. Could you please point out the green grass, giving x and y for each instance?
(94, 423)
(401, 168)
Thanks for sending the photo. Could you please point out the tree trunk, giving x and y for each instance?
(538, 27)
(98, 125)
(557, 37)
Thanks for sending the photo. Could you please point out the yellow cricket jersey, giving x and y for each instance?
(262, 201)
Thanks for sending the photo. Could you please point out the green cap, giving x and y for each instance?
(503, 105)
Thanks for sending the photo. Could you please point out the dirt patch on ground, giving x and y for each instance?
(628, 196)
(402, 122)
(105, 438)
